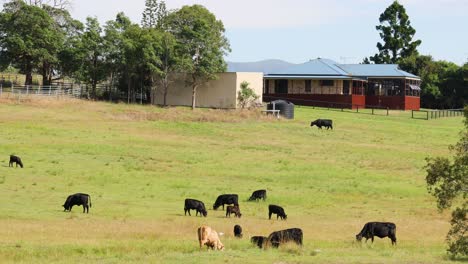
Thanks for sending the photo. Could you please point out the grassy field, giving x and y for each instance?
(139, 163)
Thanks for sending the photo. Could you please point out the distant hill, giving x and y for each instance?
(265, 66)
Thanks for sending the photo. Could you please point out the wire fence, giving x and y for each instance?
(435, 114)
(349, 107)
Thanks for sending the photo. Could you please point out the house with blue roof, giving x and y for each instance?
(323, 82)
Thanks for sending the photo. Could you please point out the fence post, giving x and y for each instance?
(1, 89)
(412, 113)
(387, 111)
(50, 90)
(27, 90)
(427, 115)
(357, 108)
(372, 110)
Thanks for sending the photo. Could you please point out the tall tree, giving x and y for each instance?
(28, 38)
(58, 4)
(202, 45)
(93, 66)
(447, 180)
(155, 18)
(397, 34)
(154, 14)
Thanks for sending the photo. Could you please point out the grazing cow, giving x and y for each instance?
(77, 199)
(208, 236)
(322, 123)
(258, 240)
(192, 204)
(257, 195)
(378, 229)
(15, 159)
(226, 199)
(278, 210)
(238, 231)
(233, 209)
(277, 238)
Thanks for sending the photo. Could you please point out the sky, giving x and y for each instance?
(299, 30)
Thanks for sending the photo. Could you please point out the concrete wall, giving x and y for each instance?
(220, 93)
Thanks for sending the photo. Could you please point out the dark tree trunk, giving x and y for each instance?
(28, 72)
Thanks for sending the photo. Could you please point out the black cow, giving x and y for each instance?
(378, 229)
(257, 195)
(278, 210)
(226, 199)
(277, 238)
(258, 240)
(192, 204)
(15, 159)
(238, 231)
(322, 123)
(77, 199)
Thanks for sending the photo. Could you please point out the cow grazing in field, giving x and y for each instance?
(226, 199)
(278, 210)
(77, 199)
(378, 229)
(192, 204)
(209, 237)
(277, 238)
(238, 231)
(257, 195)
(258, 240)
(322, 123)
(15, 159)
(233, 209)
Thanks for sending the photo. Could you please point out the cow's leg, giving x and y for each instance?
(372, 239)
(269, 215)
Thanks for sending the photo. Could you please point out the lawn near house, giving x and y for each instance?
(139, 163)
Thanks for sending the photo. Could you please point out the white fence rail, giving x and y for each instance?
(48, 91)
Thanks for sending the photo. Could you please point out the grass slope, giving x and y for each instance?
(139, 163)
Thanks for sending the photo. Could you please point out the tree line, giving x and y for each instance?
(42, 37)
(444, 84)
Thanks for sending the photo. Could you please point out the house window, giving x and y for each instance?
(328, 83)
(266, 88)
(308, 86)
(281, 86)
(345, 87)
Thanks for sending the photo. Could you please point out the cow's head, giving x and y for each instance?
(239, 215)
(285, 216)
(313, 123)
(215, 206)
(204, 212)
(359, 237)
(220, 246)
(65, 206)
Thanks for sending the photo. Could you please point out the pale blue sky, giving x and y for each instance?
(298, 30)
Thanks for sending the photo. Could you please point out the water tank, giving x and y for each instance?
(286, 108)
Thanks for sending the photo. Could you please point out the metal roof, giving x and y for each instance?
(375, 70)
(328, 69)
(313, 67)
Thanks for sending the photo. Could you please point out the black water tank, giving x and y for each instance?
(286, 108)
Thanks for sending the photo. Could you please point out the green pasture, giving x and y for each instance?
(139, 163)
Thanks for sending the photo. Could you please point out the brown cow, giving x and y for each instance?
(209, 237)
(233, 209)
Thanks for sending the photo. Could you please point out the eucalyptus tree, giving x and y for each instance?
(28, 38)
(202, 45)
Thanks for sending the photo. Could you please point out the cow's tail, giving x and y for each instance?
(89, 199)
